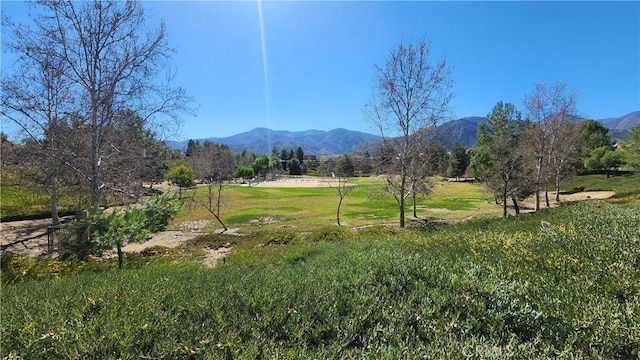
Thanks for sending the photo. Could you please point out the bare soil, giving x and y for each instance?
(300, 182)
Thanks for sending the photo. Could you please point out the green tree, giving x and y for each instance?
(104, 231)
(499, 160)
(631, 148)
(159, 209)
(181, 175)
(345, 166)
(295, 168)
(244, 172)
(604, 159)
(300, 154)
(261, 166)
(193, 146)
(459, 160)
(594, 135)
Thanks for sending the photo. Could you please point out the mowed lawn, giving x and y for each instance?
(308, 208)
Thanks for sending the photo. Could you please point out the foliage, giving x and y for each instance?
(181, 174)
(605, 159)
(261, 166)
(459, 160)
(295, 168)
(632, 148)
(594, 135)
(244, 172)
(563, 283)
(159, 209)
(101, 230)
(499, 160)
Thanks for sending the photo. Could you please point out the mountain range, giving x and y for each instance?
(343, 141)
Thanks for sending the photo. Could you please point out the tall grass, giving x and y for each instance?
(564, 283)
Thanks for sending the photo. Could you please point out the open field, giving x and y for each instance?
(561, 284)
(309, 205)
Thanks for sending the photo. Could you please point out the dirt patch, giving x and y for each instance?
(213, 256)
(169, 239)
(263, 220)
(301, 182)
(193, 225)
(440, 210)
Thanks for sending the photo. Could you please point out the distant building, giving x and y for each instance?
(310, 157)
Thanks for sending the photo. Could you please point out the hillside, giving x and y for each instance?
(343, 141)
(318, 142)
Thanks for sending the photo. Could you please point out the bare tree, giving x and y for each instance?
(548, 107)
(337, 172)
(565, 157)
(427, 164)
(38, 99)
(111, 62)
(215, 163)
(410, 93)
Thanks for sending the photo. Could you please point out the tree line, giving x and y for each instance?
(516, 155)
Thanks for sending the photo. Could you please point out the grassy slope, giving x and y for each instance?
(564, 283)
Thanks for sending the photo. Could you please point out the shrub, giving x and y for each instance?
(159, 209)
(331, 233)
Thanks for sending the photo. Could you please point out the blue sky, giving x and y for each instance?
(320, 56)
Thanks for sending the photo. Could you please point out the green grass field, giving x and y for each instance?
(253, 208)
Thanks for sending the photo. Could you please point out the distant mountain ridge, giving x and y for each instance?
(342, 141)
(317, 142)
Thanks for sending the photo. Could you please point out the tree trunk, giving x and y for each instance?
(55, 218)
(338, 210)
(504, 200)
(558, 188)
(415, 213)
(537, 183)
(546, 194)
(515, 205)
(402, 195)
(120, 259)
